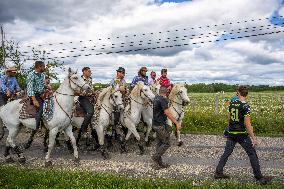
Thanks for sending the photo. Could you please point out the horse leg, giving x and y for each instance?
(180, 142)
(149, 129)
(45, 140)
(121, 139)
(57, 140)
(132, 129)
(95, 137)
(52, 136)
(11, 140)
(100, 132)
(69, 133)
(31, 139)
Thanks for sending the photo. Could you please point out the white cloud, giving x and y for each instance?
(236, 61)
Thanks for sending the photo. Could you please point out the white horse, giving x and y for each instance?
(139, 96)
(108, 98)
(63, 98)
(178, 98)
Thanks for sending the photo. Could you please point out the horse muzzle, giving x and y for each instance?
(120, 107)
(185, 102)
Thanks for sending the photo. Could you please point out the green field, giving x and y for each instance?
(207, 113)
(13, 177)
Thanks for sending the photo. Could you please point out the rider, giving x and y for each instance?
(164, 80)
(85, 101)
(153, 79)
(141, 77)
(9, 86)
(35, 90)
(119, 79)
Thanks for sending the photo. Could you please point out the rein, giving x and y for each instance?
(81, 87)
(174, 102)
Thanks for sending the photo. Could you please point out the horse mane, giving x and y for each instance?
(102, 94)
(175, 90)
(136, 90)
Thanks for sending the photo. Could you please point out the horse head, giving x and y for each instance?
(155, 88)
(76, 82)
(116, 98)
(145, 92)
(179, 92)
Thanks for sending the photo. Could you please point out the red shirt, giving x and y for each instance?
(164, 82)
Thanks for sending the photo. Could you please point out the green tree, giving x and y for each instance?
(14, 55)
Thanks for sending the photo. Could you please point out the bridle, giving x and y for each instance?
(55, 96)
(174, 102)
(105, 107)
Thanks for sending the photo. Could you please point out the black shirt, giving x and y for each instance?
(238, 111)
(160, 104)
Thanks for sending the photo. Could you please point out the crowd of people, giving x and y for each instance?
(239, 128)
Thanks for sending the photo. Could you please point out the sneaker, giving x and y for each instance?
(264, 180)
(158, 163)
(221, 176)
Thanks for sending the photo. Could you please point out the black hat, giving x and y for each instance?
(121, 69)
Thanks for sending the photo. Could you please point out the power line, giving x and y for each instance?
(169, 46)
(160, 32)
(159, 41)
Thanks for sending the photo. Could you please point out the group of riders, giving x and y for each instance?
(39, 88)
(239, 129)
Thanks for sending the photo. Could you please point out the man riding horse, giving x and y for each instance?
(85, 101)
(9, 86)
(118, 80)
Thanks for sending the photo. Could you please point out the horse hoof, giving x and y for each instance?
(77, 161)
(142, 150)
(9, 160)
(148, 143)
(48, 164)
(180, 143)
(45, 149)
(27, 145)
(123, 150)
(22, 160)
(106, 156)
(69, 146)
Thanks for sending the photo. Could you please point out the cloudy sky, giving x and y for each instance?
(176, 34)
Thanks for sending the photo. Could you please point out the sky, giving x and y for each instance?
(150, 24)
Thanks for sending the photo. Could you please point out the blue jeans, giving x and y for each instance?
(3, 99)
(246, 143)
(39, 110)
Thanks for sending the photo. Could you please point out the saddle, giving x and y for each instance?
(79, 111)
(28, 110)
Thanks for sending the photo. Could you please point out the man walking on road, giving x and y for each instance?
(240, 131)
(160, 114)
